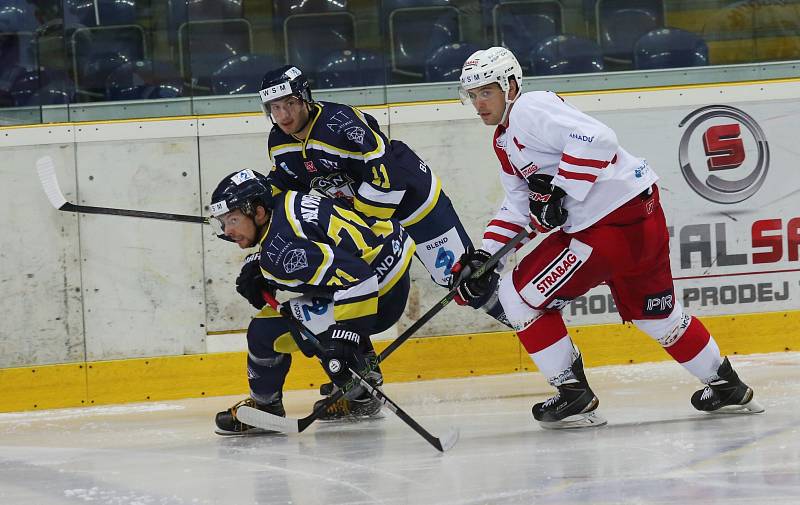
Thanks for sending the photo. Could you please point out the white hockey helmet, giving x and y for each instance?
(496, 64)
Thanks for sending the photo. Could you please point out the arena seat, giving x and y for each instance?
(205, 45)
(669, 48)
(42, 87)
(415, 29)
(241, 74)
(144, 79)
(620, 23)
(566, 54)
(309, 38)
(445, 63)
(96, 51)
(520, 26)
(17, 16)
(351, 68)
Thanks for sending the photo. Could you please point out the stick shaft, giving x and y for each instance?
(373, 391)
(165, 216)
(490, 263)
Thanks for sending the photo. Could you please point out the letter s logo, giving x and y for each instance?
(724, 147)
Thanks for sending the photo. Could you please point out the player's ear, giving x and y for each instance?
(261, 215)
(513, 87)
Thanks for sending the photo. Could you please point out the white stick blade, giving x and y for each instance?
(47, 176)
(265, 420)
(449, 440)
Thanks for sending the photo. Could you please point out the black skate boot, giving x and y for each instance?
(574, 404)
(357, 404)
(228, 424)
(726, 394)
(329, 388)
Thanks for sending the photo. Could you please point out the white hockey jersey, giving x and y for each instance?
(546, 135)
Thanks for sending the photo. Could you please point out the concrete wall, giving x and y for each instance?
(88, 287)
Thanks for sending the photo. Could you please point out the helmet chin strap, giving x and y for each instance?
(509, 103)
(261, 231)
(308, 118)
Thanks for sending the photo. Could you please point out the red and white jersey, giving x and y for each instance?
(546, 135)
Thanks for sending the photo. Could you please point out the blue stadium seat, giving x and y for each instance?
(520, 26)
(206, 33)
(284, 9)
(446, 62)
(241, 74)
(42, 87)
(566, 54)
(183, 11)
(17, 16)
(17, 26)
(308, 38)
(18, 49)
(96, 51)
(107, 13)
(144, 80)
(620, 23)
(416, 28)
(351, 68)
(205, 45)
(94, 71)
(669, 48)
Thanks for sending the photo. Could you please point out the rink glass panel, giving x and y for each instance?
(64, 60)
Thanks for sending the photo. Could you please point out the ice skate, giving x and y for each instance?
(357, 404)
(228, 424)
(727, 394)
(574, 404)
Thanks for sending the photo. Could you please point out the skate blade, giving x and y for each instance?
(248, 433)
(586, 420)
(751, 407)
(349, 419)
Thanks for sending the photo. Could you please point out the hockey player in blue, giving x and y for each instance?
(340, 152)
(351, 272)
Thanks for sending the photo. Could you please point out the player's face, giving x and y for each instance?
(490, 103)
(289, 113)
(239, 227)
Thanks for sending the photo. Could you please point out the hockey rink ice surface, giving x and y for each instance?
(655, 448)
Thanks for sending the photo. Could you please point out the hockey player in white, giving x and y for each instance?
(565, 172)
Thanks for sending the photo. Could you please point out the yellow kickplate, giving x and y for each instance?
(172, 377)
(42, 387)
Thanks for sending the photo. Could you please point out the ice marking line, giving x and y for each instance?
(730, 448)
(317, 459)
(72, 480)
(323, 476)
(62, 414)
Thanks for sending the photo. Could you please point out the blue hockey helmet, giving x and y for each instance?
(243, 190)
(284, 81)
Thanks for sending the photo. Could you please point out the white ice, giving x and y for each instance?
(656, 448)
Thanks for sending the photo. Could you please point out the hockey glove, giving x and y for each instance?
(341, 352)
(546, 201)
(472, 291)
(251, 282)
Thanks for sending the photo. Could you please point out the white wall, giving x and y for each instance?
(108, 287)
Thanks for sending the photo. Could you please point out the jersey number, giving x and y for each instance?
(318, 306)
(348, 222)
(377, 180)
(445, 258)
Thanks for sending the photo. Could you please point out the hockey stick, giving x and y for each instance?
(245, 413)
(290, 425)
(47, 175)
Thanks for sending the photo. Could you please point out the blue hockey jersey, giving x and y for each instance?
(346, 156)
(314, 245)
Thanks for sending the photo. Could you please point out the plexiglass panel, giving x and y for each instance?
(75, 60)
